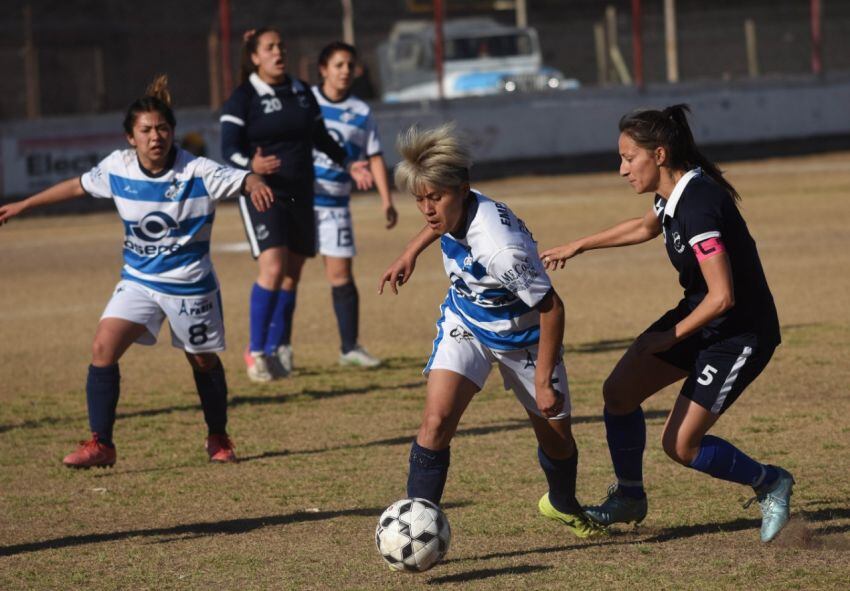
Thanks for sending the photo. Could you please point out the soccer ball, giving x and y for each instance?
(413, 535)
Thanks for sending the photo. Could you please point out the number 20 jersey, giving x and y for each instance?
(496, 275)
(167, 217)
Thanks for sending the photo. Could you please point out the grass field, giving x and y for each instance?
(326, 450)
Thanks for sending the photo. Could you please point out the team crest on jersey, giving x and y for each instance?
(677, 243)
(175, 189)
(467, 263)
(347, 116)
(154, 226)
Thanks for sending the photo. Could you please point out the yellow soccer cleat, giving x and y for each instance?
(578, 523)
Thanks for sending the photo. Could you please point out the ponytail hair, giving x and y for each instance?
(669, 129)
(249, 46)
(157, 99)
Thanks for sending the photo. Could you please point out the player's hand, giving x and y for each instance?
(550, 402)
(361, 175)
(391, 216)
(264, 164)
(10, 210)
(555, 258)
(262, 197)
(655, 342)
(397, 274)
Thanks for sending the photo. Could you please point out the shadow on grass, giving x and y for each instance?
(199, 530)
(235, 401)
(487, 573)
(512, 425)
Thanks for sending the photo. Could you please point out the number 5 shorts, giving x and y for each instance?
(719, 369)
(197, 325)
(456, 349)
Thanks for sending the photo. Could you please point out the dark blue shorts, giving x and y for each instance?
(719, 368)
(289, 222)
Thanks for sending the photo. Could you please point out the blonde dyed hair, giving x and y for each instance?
(435, 157)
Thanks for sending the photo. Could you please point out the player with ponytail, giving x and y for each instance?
(718, 338)
(166, 199)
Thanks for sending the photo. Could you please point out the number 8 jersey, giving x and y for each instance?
(167, 217)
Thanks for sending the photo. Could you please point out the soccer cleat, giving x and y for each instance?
(358, 357)
(91, 453)
(578, 523)
(258, 367)
(775, 505)
(283, 356)
(220, 449)
(618, 508)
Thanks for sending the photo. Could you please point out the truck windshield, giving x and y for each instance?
(470, 48)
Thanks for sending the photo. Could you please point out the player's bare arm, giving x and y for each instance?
(64, 191)
(382, 183)
(626, 233)
(551, 308)
(400, 271)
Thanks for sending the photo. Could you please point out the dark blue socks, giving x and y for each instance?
(212, 389)
(263, 302)
(280, 323)
(102, 391)
(720, 459)
(561, 475)
(626, 441)
(428, 471)
(347, 308)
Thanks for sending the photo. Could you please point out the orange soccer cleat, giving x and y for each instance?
(220, 449)
(91, 453)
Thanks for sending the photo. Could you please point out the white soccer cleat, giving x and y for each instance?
(359, 357)
(284, 360)
(258, 367)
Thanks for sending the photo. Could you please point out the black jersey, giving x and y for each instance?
(282, 120)
(701, 215)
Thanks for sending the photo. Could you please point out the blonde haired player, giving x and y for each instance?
(500, 308)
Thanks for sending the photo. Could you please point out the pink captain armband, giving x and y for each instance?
(705, 249)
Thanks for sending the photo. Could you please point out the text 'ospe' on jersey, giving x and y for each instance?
(699, 220)
(167, 217)
(496, 276)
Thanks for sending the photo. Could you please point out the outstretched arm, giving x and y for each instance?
(400, 271)
(64, 191)
(633, 231)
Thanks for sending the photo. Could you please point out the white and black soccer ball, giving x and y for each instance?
(413, 535)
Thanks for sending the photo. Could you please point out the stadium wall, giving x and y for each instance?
(552, 132)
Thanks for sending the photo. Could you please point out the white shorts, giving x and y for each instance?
(457, 350)
(335, 233)
(197, 324)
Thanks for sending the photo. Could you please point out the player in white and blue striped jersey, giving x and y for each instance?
(349, 121)
(501, 308)
(166, 199)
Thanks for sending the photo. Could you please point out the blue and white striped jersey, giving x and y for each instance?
(350, 123)
(496, 275)
(167, 217)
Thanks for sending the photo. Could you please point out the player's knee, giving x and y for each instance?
(203, 362)
(271, 272)
(435, 431)
(102, 354)
(678, 449)
(615, 395)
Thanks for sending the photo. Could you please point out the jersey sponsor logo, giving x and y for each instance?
(677, 243)
(153, 227)
(521, 276)
(504, 216)
(151, 250)
(460, 334)
(195, 308)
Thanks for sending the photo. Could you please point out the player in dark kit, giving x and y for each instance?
(719, 337)
(270, 125)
